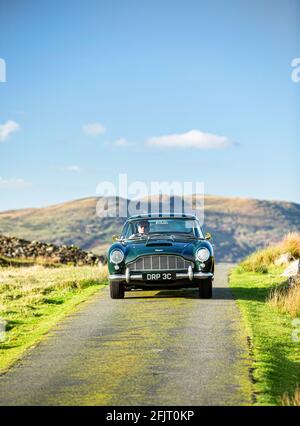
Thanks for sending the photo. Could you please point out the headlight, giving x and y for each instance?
(202, 254)
(116, 256)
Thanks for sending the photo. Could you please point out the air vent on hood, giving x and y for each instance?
(159, 243)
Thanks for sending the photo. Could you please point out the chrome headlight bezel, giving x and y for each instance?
(203, 254)
(114, 253)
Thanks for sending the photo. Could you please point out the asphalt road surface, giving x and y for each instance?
(152, 348)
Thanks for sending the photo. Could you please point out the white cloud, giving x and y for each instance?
(8, 129)
(72, 168)
(93, 129)
(13, 183)
(191, 139)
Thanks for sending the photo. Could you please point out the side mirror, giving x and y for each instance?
(115, 237)
(208, 236)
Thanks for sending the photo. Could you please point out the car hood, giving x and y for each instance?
(135, 249)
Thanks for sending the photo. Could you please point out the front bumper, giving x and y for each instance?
(190, 275)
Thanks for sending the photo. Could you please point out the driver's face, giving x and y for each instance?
(142, 228)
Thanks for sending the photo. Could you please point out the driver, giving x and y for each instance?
(143, 227)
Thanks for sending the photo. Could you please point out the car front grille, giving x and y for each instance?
(159, 263)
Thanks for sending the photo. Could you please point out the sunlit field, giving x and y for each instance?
(33, 299)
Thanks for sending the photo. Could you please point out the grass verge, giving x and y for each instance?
(276, 355)
(286, 298)
(33, 299)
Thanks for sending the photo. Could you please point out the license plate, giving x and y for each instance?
(159, 276)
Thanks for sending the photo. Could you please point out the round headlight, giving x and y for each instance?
(116, 256)
(202, 254)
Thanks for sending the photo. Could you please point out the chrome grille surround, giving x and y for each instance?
(158, 262)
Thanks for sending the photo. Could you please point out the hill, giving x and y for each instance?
(238, 225)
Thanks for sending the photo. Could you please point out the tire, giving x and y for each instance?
(116, 290)
(205, 289)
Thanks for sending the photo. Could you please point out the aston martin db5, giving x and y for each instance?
(161, 251)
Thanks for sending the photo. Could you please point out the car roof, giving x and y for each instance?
(163, 216)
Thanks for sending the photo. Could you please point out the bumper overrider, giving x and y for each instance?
(190, 274)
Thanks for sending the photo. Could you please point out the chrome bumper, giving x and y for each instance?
(179, 276)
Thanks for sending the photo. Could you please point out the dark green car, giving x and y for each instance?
(161, 251)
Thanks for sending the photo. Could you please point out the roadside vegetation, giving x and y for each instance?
(34, 298)
(292, 401)
(14, 262)
(270, 303)
(286, 299)
(262, 260)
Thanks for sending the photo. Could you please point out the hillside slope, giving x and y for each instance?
(238, 226)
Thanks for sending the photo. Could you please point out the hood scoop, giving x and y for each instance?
(160, 243)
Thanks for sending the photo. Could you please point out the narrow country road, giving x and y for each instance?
(152, 348)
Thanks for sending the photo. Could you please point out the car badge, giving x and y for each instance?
(158, 249)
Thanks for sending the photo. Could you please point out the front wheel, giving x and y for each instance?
(117, 290)
(205, 289)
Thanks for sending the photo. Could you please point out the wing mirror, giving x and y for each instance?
(116, 237)
(208, 236)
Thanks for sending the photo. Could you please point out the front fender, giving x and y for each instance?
(111, 265)
(209, 264)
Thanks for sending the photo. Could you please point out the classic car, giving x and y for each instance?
(161, 251)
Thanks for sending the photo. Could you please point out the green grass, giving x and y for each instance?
(276, 357)
(33, 299)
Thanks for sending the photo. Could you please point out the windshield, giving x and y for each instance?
(172, 226)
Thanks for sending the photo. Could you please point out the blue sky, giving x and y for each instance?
(98, 88)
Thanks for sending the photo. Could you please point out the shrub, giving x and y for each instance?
(292, 401)
(261, 260)
(291, 244)
(251, 266)
(286, 299)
